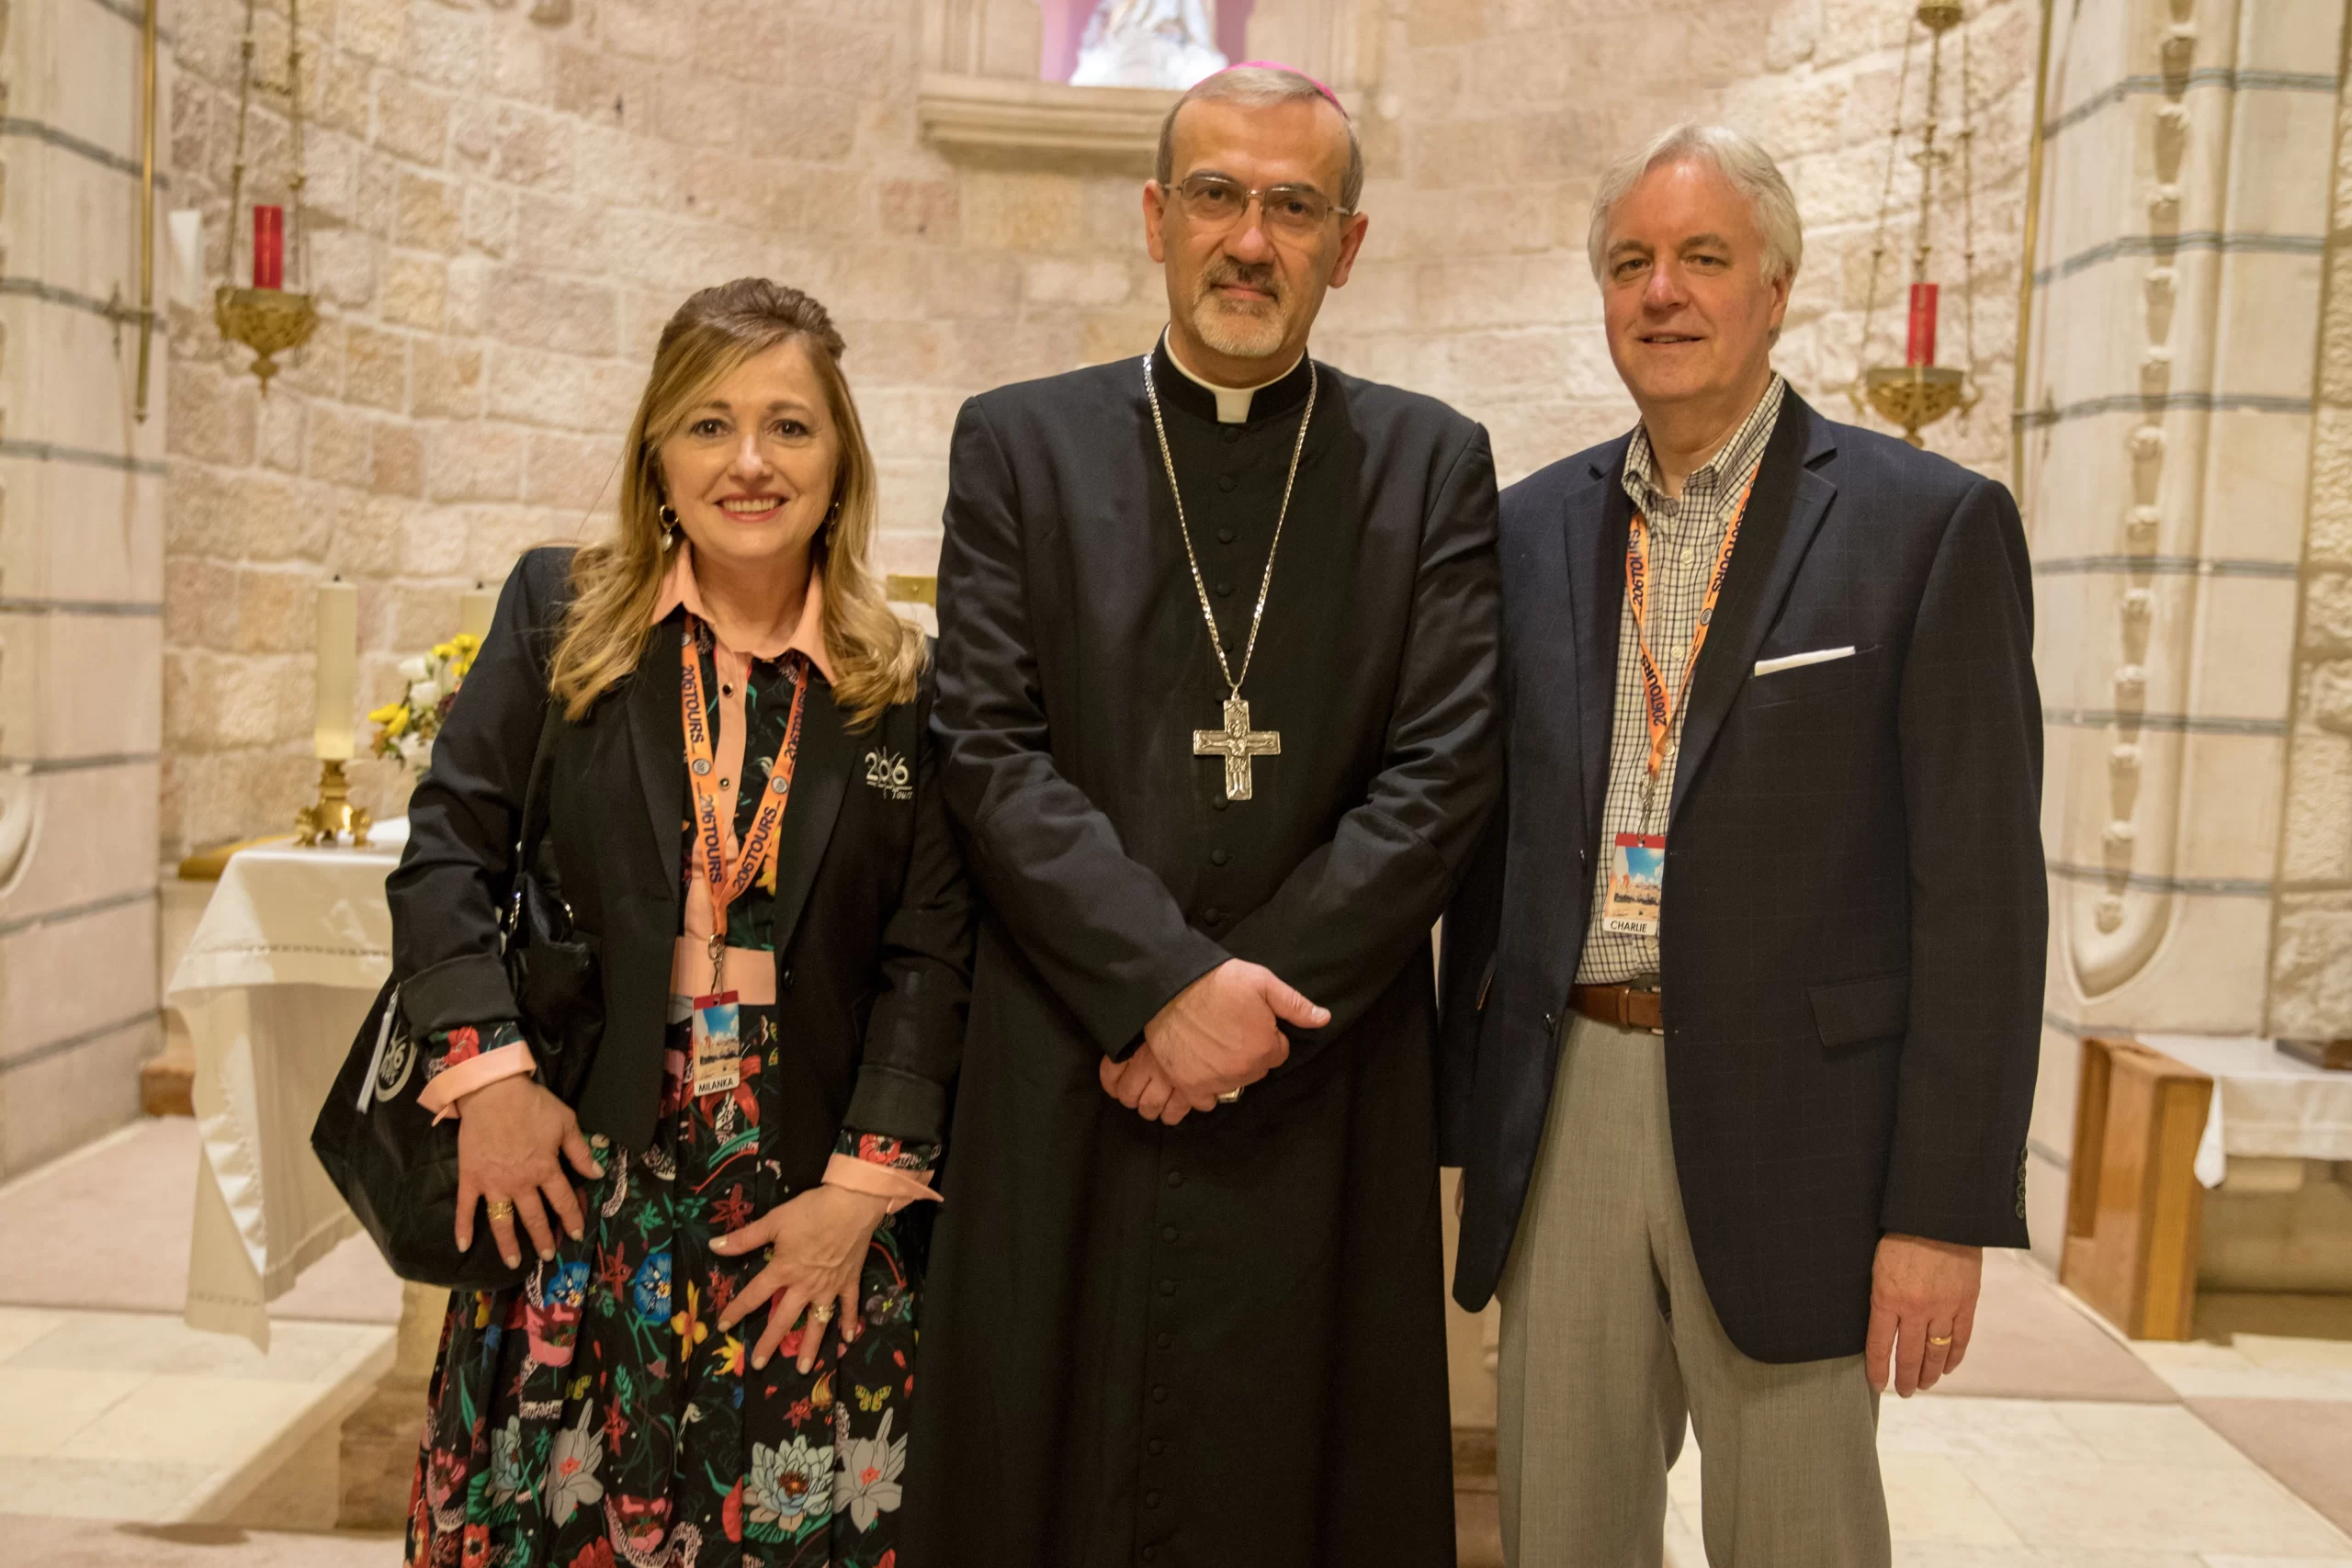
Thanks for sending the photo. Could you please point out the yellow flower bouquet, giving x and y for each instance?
(404, 729)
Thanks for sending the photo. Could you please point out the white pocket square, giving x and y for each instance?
(1797, 660)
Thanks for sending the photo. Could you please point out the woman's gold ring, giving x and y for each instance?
(1228, 1097)
(821, 1315)
(499, 1209)
(1938, 1343)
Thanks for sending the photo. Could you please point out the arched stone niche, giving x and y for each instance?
(983, 97)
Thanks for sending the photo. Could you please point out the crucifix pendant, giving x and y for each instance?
(1237, 743)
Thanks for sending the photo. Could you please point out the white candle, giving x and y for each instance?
(338, 677)
(474, 606)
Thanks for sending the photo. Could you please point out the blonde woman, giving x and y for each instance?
(709, 1356)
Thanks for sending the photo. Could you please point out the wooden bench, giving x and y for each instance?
(2134, 1210)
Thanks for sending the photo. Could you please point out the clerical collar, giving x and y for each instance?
(1227, 405)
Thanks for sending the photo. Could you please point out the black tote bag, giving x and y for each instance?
(393, 1164)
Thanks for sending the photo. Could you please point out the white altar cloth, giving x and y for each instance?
(2266, 1105)
(276, 980)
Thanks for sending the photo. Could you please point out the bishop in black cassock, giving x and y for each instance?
(1218, 1343)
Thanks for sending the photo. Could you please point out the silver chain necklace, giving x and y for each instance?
(1235, 741)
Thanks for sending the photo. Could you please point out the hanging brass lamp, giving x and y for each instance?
(1918, 392)
(267, 317)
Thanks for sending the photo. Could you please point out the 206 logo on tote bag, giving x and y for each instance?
(399, 1060)
(889, 773)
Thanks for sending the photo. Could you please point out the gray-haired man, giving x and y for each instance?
(1744, 989)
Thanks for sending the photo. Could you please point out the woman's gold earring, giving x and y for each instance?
(669, 515)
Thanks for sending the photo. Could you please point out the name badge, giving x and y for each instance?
(1637, 886)
(717, 1044)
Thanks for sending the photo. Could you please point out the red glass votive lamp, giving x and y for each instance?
(269, 247)
(1921, 349)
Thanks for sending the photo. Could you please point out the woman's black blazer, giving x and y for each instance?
(873, 926)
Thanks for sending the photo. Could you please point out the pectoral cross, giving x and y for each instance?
(1237, 743)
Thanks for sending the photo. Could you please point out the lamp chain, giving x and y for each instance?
(1968, 216)
(1885, 204)
(237, 169)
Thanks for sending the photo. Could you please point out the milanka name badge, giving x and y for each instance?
(1637, 886)
(717, 1043)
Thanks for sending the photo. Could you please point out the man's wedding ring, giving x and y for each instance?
(1230, 1097)
(1938, 1343)
(499, 1209)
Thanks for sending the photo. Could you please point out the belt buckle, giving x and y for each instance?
(1631, 991)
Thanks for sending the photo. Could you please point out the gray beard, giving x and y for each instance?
(1242, 336)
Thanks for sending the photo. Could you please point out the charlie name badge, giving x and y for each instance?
(717, 1043)
(1637, 886)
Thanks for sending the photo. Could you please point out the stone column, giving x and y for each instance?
(81, 585)
(2165, 458)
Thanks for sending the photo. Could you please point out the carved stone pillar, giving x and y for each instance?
(2165, 460)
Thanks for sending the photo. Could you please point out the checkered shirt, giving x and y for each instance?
(1684, 536)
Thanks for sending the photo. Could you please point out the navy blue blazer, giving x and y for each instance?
(1852, 943)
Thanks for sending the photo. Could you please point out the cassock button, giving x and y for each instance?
(1159, 1393)
(1157, 1446)
(1220, 804)
(1168, 1287)
(1151, 1554)
(1168, 1232)
(1224, 535)
(1232, 433)
(1226, 483)
(1175, 1178)
(1218, 857)
(1152, 1499)
(1225, 588)
(1212, 917)
(1167, 1341)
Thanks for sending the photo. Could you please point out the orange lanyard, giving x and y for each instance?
(730, 880)
(1658, 705)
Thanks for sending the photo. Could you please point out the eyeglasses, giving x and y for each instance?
(1214, 201)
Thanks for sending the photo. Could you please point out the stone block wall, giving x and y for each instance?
(506, 203)
(1489, 136)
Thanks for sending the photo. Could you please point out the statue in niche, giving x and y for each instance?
(1147, 43)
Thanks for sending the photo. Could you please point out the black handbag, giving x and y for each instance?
(393, 1164)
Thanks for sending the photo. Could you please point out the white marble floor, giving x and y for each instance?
(2036, 1483)
(135, 1417)
(2024, 1484)
(125, 1430)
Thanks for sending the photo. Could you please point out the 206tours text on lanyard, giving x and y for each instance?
(1637, 861)
(718, 1027)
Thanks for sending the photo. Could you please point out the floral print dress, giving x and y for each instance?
(595, 1415)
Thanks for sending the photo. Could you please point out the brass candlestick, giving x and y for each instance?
(325, 819)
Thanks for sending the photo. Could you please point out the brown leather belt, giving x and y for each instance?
(1625, 1007)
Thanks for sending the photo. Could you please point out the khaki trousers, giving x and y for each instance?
(1609, 1342)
